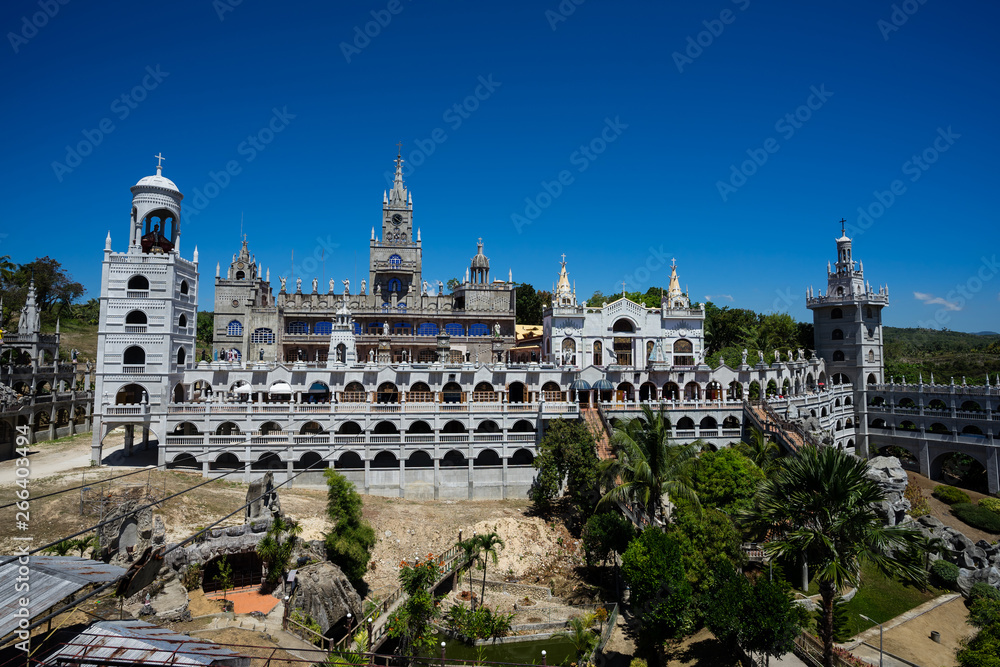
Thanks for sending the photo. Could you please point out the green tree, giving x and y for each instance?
(83, 543)
(206, 328)
(580, 634)
(727, 326)
(646, 467)
(529, 306)
(470, 551)
(604, 535)
(54, 287)
(725, 479)
(225, 576)
(821, 507)
(411, 622)
(706, 538)
(983, 648)
(349, 543)
(453, 284)
(567, 451)
(276, 548)
(489, 545)
(764, 452)
(661, 594)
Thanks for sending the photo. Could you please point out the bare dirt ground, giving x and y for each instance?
(911, 639)
(940, 510)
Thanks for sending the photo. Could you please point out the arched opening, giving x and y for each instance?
(730, 423)
(626, 392)
(454, 427)
(908, 403)
(136, 318)
(876, 423)
(959, 470)
(184, 461)
(938, 427)
(871, 356)
(385, 428)
(349, 460)
(268, 461)
(487, 426)
(685, 424)
(786, 388)
(487, 459)
(179, 393)
(871, 379)
(419, 426)
(671, 391)
(692, 391)
(971, 406)
(349, 428)
(836, 314)
(598, 353)
(841, 378)
(623, 325)
(972, 430)
(186, 428)
(708, 423)
(522, 426)
(735, 391)
(270, 428)
(355, 392)
(713, 391)
(227, 428)
(138, 283)
(838, 355)
(837, 335)
(311, 428)
(907, 426)
(419, 459)
(134, 356)
(225, 461)
(182, 321)
(130, 394)
(521, 457)
(683, 353)
(515, 393)
(385, 460)
(181, 357)
(184, 287)
(454, 459)
(387, 393)
(647, 392)
(246, 569)
(319, 392)
(937, 404)
(420, 392)
(452, 393)
(754, 390)
(772, 388)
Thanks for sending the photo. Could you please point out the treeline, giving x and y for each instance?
(911, 353)
(56, 293)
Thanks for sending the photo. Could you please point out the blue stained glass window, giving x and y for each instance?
(323, 328)
(479, 329)
(395, 261)
(427, 329)
(235, 328)
(454, 329)
(297, 328)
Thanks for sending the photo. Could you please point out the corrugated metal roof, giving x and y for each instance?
(51, 578)
(139, 642)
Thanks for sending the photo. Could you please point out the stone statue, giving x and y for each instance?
(440, 287)
(760, 353)
(330, 291)
(385, 329)
(496, 330)
(790, 353)
(425, 287)
(298, 284)
(777, 356)
(282, 283)
(364, 286)
(802, 354)
(347, 286)
(375, 288)
(743, 361)
(90, 366)
(371, 356)
(315, 285)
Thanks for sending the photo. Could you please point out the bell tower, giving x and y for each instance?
(396, 258)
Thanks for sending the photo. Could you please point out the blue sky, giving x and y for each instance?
(731, 136)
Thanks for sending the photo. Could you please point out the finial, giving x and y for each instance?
(842, 227)
(159, 162)
(399, 149)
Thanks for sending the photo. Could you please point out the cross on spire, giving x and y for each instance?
(842, 228)
(623, 288)
(673, 261)
(564, 258)
(399, 149)
(159, 162)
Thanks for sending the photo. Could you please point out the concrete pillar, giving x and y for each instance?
(992, 471)
(402, 477)
(924, 457)
(205, 468)
(290, 470)
(368, 473)
(145, 438)
(129, 437)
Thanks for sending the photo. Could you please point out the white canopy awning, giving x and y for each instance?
(281, 388)
(243, 389)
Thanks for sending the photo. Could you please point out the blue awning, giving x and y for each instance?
(604, 385)
(580, 385)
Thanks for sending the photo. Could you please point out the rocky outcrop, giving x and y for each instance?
(127, 532)
(217, 542)
(889, 474)
(977, 561)
(262, 499)
(324, 593)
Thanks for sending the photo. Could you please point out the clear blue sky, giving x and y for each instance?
(675, 128)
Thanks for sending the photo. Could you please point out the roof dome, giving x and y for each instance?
(158, 181)
(480, 261)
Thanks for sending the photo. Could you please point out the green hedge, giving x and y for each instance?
(950, 495)
(977, 517)
(945, 572)
(981, 589)
(990, 503)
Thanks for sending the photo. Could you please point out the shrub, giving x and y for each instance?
(637, 662)
(479, 624)
(945, 572)
(981, 589)
(918, 504)
(977, 517)
(990, 503)
(191, 579)
(950, 495)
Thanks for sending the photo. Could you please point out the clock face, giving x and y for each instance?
(397, 219)
(239, 265)
(236, 303)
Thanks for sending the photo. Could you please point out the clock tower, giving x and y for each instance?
(396, 257)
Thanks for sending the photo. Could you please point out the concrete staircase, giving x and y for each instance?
(592, 417)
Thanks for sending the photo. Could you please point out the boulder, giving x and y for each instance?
(324, 593)
(968, 577)
(930, 521)
(262, 499)
(888, 473)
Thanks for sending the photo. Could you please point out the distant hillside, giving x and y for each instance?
(946, 354)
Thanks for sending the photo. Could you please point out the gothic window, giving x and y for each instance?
(871, 355)
(838, 356)
(184, 287)
(401, 307)
(323, 328)
(181, 356)
(235, 328)
(649, 348)
(836, 314)
(394, 262)
(427, 329)
(454, 329)
(262, 335)
(138, 283)
(598, 353)
(240, 275)
(840, 291)
(837, 335)
(479, 329)
(297, 328)
(386, 307)
(182, 321)
(394, 285)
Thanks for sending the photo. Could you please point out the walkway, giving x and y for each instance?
(592, 417)
(787, 434)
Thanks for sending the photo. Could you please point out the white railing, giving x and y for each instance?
(135, 328)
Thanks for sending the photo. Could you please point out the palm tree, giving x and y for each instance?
(821, 507)
(84, 543)
(579, 634)
(61, 548)
(489, 545)
(647, 469)
(273, 551)
(762, 451)
(470, 550)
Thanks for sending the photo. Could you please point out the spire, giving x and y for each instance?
(418, 235)
(217, 269)
(373, 233)
(195, 258)
(107, 241)
(268, 274)
(398, 194)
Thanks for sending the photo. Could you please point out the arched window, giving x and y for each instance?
(479, 329)
(135, 317)
(394, 262)
(427, 329)
(182, 321)
(837, 335)
(181, 356)
(138, 283)
(598, 353)
(838, 355)
(240, 275)
(323, 328)
(836, 314)
(261, 336)
(454, 329)
(235, 328)
(623, 325)
(184, 287)
(134, 356)
(297, 327)
(871, 355)
(394, 285)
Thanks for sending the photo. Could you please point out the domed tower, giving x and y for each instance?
(480, 267)
(146, 330)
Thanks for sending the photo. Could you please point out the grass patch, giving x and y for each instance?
(882, 598)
